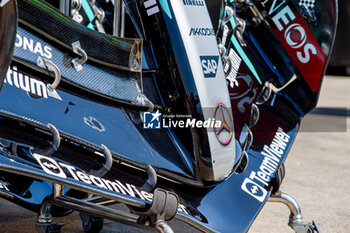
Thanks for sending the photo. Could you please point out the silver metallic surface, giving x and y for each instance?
(291, 203)
(164, 228)
(122, 21)
(107, 165)
(295, 218)
(57, 190)
(78, 62)
(47, 64)
(117, 17)
(143, 101)
(45, 212)
(55, 137)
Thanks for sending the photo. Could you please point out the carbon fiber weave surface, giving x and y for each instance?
(112, 51)
(119, 85)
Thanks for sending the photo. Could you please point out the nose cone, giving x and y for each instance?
(8, 28)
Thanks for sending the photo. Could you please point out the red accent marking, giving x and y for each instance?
(312, 70)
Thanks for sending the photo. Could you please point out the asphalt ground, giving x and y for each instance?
(318, 167)
(317, 175)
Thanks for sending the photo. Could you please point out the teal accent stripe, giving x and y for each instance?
(88, 10)
(242, 53)
(165, 6)
(90, 26)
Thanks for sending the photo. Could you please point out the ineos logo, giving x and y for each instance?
(50, 166)
(295, 36)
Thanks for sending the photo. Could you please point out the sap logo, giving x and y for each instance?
(151, 120)
(209, 65)
(202, 32)
(33, 47)
(193, 2)
(3, 2)
(253, 189)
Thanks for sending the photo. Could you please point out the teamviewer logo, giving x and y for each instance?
(50, 166)
(151, 120)
(254, 190)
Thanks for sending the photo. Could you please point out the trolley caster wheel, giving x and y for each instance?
(52, 227)
(91, 224)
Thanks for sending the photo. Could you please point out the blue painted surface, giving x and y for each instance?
(120, 135)
(227, 207)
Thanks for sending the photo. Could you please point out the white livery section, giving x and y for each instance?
(201, 47)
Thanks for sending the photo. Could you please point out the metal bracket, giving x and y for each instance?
(311, 227)
(164, 208)
(99, 15)
(242, 163)
(254, 115)
(309, 15)
(56, 140)
(52, 227)
(277, 180)
(142, 100)
(246, 137)
(151, 180)
(108, 163)
(76, 5)
(47, 64)
(240, 27)
(57, 190)
(78, 62)
(44, 222)
(264, 94)
(295, 218)
(227, 18)
(240, 24)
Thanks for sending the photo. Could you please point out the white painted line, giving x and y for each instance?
(152, 11)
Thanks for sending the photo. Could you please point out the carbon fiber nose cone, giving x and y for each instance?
(8, 28)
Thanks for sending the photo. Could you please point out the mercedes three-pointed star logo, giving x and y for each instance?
(225, 131)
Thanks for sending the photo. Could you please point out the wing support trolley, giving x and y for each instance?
(164, 208)
(296, 221)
